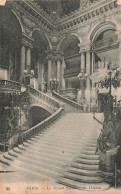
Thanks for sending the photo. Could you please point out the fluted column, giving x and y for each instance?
(22, 63)
(49, 73)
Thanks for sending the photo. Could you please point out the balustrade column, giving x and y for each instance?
(88, 65)
(49, 73)
(22, 63)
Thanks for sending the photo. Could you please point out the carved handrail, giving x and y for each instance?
(43, 96)
(74, 104)
(10, 84)
(29, 133)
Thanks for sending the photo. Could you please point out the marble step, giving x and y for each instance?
(85, 166)
(83, 179)
(83, 172)
(87, 161)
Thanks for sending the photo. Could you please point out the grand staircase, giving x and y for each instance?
(64, 153)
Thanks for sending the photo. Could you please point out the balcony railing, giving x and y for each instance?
(72, 71)
(68, 90)
(104, 43)
(10, 85)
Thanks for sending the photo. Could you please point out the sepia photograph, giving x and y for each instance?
(60, 96)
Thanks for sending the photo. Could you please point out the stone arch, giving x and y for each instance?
(48, 109)
(105, 44)
(42, 34)
(69, 42)
(38, 114)
(69, 46)
(21, 25)
(64, 37)
(100, 28)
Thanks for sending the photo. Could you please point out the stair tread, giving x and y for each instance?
(85, 172)
(82, 177)
(84, 186)
(85, 166)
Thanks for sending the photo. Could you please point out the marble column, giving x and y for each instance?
(10, 61)
(42, 77)
(22, 64)
(120, 55)
(49, 73)
(88, 66)
(62, 80)
(118, 33)
(28, 57)
(82, 61)
(58, 72)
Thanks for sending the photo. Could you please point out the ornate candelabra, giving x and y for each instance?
(54, 84)
(111, 79)
(28, 73)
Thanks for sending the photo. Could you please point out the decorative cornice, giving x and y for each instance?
(28, 10)
(97, 10)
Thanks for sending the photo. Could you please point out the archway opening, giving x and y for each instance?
(10, 39)
(106, 48)
(39, 64)
(37, 115)
(70, 48)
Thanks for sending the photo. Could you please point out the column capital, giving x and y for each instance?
(27, 41)
(85, 47)
(54, 55)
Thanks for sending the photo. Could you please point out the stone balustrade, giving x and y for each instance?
(74, 104)
(43, 96)
(29, 133)
(10, 85)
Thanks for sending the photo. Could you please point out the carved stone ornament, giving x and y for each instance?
(84, 47)
(27, 41)
(84, 30)
(27, 22)
(118, 19)
(84, 3)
